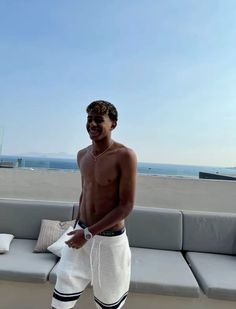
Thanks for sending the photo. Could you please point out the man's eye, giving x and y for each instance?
(96, 120)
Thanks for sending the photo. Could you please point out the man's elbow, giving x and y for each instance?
(127, 209)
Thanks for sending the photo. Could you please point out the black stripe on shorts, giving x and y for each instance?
(111, 306)
(66, 296)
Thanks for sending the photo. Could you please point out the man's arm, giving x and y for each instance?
(82, 241)
(77, 212)
(128, 163)
(77, 205)
(80, 154)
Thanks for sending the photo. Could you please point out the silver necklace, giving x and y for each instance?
(100, 154)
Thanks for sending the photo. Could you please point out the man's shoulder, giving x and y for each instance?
(125, 152)
(82, 152)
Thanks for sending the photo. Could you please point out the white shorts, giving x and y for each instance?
(105, 262)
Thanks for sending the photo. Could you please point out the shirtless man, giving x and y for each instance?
(98, 251)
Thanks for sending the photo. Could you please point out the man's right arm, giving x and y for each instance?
(80, 154)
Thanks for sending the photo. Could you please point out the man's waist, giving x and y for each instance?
(108, 233)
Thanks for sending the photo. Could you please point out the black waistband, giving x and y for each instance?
(104, 233)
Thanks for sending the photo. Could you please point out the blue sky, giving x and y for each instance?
(168, 66)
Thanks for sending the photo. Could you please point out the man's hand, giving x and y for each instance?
(77, 241)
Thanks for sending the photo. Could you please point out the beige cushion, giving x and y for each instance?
(50, 232)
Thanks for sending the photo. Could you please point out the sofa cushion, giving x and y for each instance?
(216, 274)
(209, 232)
(51, 231)
(20, 264)
(162, 272)
(155, 228)
(13, 215)
(5, 241)
(57, 247)
(158, 272)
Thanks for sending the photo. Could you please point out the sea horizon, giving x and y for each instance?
(143, 168)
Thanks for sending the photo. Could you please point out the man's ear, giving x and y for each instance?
(114, 123)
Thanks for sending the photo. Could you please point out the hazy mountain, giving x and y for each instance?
(49, 155)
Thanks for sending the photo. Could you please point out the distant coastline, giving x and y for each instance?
(143, 168)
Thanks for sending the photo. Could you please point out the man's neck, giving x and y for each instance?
(101, 146)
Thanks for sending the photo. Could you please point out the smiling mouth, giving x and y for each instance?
(93, 132)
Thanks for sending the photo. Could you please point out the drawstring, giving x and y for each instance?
(98, 256)
(91, 261)
(99, 264)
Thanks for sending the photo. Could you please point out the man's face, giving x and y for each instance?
(99, 126)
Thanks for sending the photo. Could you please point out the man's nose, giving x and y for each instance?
(93, 123)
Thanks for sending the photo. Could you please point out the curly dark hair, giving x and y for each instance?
(103, 107)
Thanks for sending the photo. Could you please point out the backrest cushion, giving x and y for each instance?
(209, 232)
(22, 218)
(155, 228)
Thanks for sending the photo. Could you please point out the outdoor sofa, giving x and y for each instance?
(180, 259)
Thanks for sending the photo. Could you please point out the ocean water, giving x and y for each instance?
(151, 169)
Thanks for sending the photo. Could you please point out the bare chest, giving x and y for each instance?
(102, 171)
